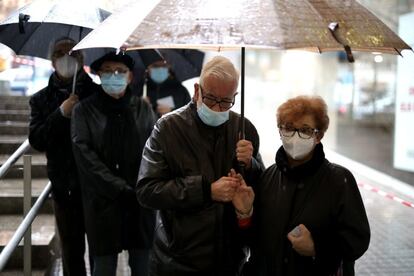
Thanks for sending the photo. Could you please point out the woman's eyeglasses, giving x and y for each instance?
(303, 132)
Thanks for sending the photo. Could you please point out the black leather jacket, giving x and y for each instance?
(183, 156)
(49, 132)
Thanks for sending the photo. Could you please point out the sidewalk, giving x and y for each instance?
(391, 250)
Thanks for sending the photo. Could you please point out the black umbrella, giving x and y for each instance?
(31, 30)
(185, 63)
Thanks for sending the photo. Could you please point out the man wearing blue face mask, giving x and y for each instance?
(186, 173)
(109, 131)
(164, 91)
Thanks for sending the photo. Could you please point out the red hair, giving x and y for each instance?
(300, 106)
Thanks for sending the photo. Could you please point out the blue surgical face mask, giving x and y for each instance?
(159, 74)
(211, 117)
(114, 84)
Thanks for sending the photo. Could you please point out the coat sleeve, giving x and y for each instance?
(157, 188)
(92, 171)
(351, 236)
(45, 129)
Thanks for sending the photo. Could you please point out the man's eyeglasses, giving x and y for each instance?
(58, 54)
(113, 71)
(210, 100)
(303, 132)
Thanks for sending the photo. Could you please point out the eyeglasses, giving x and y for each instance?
(210, 100)
(60, 53)
(303, 132)
(113, 71)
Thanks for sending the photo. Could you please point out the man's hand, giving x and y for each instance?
(147, 99)
(223, 189)
(243, 197)
(302, 241)
(68, 104)
(163, 109)
(244, 152)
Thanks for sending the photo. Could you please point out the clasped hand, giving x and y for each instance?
(233, 188)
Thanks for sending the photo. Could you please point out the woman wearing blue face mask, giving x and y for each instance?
(109, 131)
(163, 89)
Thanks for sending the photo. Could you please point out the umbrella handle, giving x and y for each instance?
(74, 79)
(23, 18)
(333, 26)
(144, 90)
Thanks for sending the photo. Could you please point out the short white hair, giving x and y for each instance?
(221, 68)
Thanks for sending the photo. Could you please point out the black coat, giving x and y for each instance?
(182, 157)
(49, 132)
(321, 195)
(171, 87)
(114, 220)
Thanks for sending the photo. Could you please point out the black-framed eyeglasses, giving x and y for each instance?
(303, 132)
(61, 53)
(210, 100)
(113, 71)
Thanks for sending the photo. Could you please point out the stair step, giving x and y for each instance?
(43, 239)
(17, 272)
(14, 105)
(9, 143)
(14, 102)
(14, 98)
(11, 196)
(39, 169)
(14, 128)
(15, 115)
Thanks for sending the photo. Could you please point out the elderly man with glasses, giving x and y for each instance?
(188, 174)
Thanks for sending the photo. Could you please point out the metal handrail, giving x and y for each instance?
(18, 235)
(14, 157)
(28, 220)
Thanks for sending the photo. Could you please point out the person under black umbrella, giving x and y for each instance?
(109, 131)
(49, 132)
(164, 91)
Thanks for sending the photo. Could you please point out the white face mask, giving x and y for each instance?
(66, 66)
(297, 147)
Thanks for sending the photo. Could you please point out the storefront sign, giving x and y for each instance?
(404, 102)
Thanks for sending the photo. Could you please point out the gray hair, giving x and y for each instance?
(221, 68)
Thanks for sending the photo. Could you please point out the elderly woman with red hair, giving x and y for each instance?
(308, 214)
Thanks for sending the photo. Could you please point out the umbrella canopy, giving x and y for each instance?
(31, 29)
(315, 25)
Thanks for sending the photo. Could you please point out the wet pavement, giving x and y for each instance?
(391, 250)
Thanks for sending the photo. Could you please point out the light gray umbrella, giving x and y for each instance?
(31, 29)
(315, 25)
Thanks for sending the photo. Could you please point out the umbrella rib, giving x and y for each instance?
(28, 38)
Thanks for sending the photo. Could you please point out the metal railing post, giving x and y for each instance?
(27, 205)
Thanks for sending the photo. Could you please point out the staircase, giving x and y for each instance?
(14, 121)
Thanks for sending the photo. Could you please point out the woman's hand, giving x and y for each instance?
(302, 241)
(243, 197)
